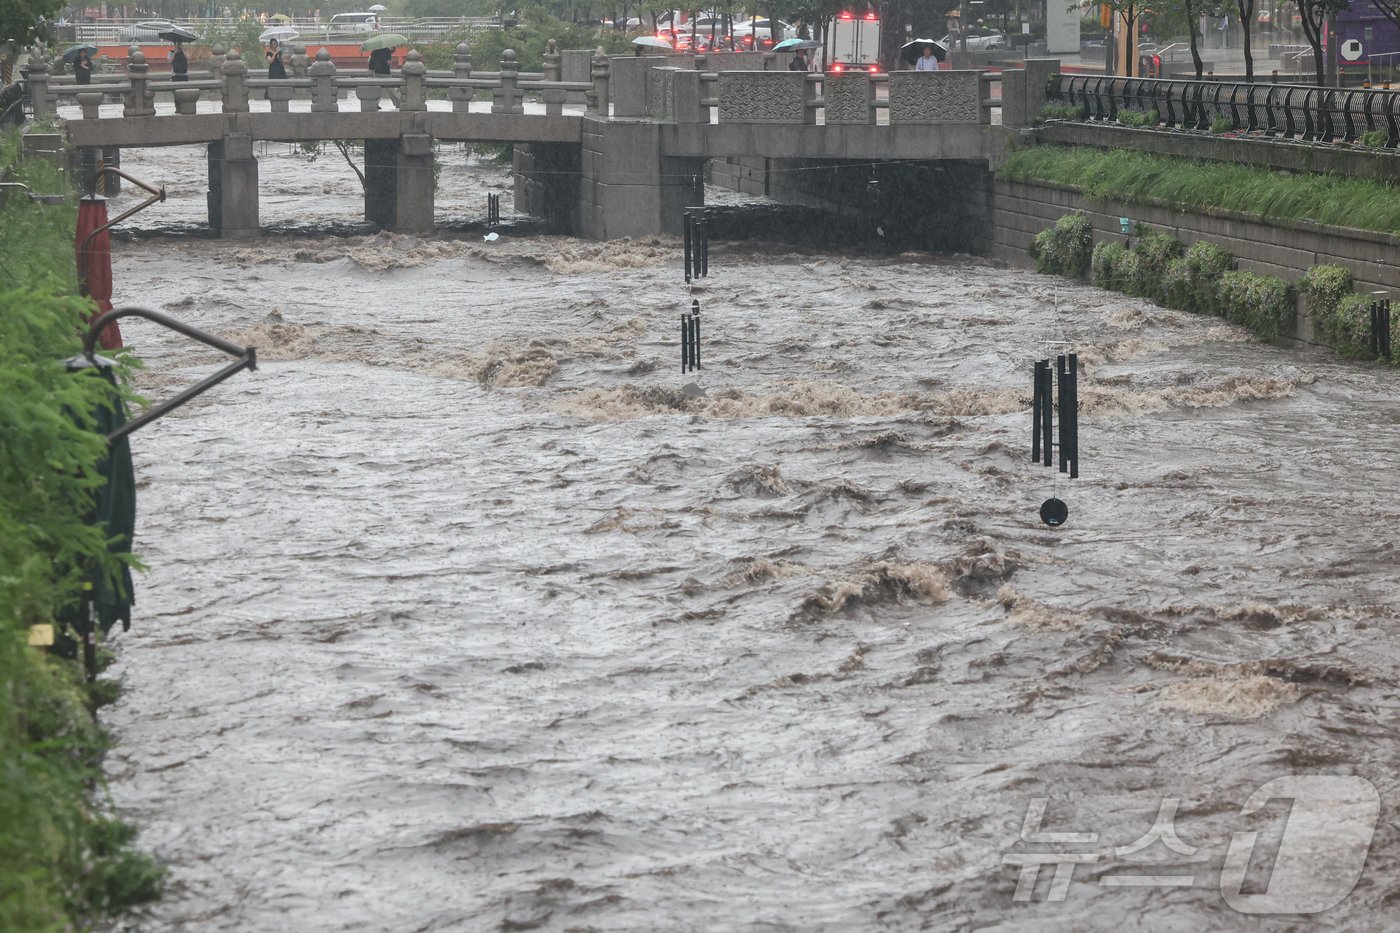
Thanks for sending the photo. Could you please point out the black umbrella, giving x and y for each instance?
(72, 54)
(178, 34)
(911, 52)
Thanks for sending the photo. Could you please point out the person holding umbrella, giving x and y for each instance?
(799, 61)
(82, 68)
(275, 68)
(179, 64)
(926, 61)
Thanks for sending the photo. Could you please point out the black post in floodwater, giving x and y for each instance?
(1380, 328)
(690, 337)
(493, 210)
(1042, 414)
(697, 242)
(1044, 403)
(1067, 367)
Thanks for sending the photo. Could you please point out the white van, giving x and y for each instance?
(345, 24)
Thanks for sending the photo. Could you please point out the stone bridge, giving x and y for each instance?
(622, 164)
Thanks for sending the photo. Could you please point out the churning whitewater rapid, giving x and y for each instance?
(468, 611)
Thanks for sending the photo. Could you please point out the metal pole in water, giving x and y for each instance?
(695, 333)
(685, 342)
(1036, 389)
(686, 223)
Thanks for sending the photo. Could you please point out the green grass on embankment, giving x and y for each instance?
(64, 861)
(1140, 177)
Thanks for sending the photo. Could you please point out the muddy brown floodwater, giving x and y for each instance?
(468, 611)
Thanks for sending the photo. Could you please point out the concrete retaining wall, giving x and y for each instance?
(1285, 250)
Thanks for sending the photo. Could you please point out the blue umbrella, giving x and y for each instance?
(72, 54)
(796, 43)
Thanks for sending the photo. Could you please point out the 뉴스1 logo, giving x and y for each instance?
(1326, 838)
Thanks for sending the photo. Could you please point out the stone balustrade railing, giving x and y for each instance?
(229, 82)
(680, 95)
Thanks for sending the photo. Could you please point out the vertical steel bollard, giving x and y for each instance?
(695, 333)
(686, 224)
(1037, 389)
(705, 242)
(1047, 412)
(685, 342)
(1385, 327)
(1069, 416)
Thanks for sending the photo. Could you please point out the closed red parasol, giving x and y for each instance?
(95, 265)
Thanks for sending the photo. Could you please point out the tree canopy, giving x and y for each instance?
(23, 21)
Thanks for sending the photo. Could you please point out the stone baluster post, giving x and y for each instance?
(39, 86)
(90, 101)
(301, 68)
(323, 95)
(551, 61)
(809, 100)
(140, 100)
(235, 75)
(461, 68)
(553, 96)
(598, 97)
(216, 59)
(369, 96)
(507, 95)
(414, 95)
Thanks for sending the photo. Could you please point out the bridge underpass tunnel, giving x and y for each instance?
(935, 205)
(546, 177)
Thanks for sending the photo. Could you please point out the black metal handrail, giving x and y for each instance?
(247, 358)
(1286, 111)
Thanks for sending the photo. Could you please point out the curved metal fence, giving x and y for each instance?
(1286, 111)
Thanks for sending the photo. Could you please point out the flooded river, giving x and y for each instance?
(469, 611)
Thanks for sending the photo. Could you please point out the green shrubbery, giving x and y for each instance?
(1200, 279)
(1066, 248)
(63, 861)
(1130, 117)
(1060, 112)
(1340, 318)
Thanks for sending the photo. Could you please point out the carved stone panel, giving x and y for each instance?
(935, 97)
(847, 98)
(761, 96)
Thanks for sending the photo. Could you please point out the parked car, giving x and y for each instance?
(352, 24)
(148, 31)
(976, 43)
(762, 29)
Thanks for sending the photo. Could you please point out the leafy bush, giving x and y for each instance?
(1132, 117)
(1264, 304)
(1206, 265)
(1323, 288)
(1106, 265)
(1348, 327)
(1060, 112)
(1155, 252)
(1221, 125)
(1374, 138)
(1066, 248)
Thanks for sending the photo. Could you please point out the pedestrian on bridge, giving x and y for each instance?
(275, 68)
(380, 63)
(179, 64)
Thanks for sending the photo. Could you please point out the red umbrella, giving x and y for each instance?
(95, 265)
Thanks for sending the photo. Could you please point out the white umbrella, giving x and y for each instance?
(280, 33)
(378, 8)
(652, 42)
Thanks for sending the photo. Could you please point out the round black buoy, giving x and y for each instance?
(1053, 512)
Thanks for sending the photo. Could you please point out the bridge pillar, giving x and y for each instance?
(399, 183)
(627, 188)
(233, 188)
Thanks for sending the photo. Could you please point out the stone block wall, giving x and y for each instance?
(1284, 250)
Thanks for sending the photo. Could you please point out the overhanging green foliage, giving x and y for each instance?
(1144, 178)
(63, 862)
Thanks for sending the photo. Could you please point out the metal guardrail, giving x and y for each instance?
(1285, 111)
(110, 31)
